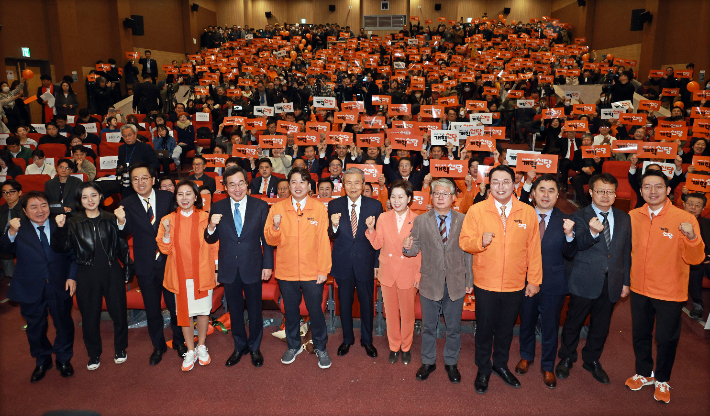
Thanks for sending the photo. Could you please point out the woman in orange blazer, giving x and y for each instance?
(189, 269)
(398, 275)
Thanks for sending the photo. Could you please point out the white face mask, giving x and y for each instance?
(467, 89)
(602, 99)
(5, 89)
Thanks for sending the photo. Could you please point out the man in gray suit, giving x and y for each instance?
(600, 276)
(446, 277)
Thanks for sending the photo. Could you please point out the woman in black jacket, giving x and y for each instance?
(93, 235)
(66, 102)
(8, 166)
(699, 147)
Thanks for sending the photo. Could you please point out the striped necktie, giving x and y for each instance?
(503, 217)
(353, 220)
(149, 210)
(442, 228)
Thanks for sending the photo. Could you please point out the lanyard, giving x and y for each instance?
(128, 160)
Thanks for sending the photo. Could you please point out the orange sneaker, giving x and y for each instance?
(636, 382)
(202, 355)
(663, 392)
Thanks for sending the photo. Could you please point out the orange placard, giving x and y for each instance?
(632, 119)
(670, 92)
(30, 99)
(684, 73)
(245, 151)
(287, 127)
(590, 152)
(316, 126)
(420, 200)
(215, 161)
(697, 183)
(446, 168)
(671, 134)
(481, 144)
(575, 125)
(515, 94)
(370, 140)
(649, 105)
(625, 146)
(490, 91)
(234, 121)
(255, 123)
(306, 139)
(132, 55)
(451, 101)
(701, 163)
(373, 122)
(541, 163)
(399, 109)
(475, 105)
(483, 174)
(656, 73)
(584, 108)
(381, 99)
(345, 117)
(404, 141)
(658, 150)
(550, 113)
(272, 142)
(338, 137)
(372, 172)
(433, 111)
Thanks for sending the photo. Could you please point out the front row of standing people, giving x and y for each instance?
(509, 253)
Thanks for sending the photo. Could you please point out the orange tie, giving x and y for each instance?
(503, 217)
(299, 213)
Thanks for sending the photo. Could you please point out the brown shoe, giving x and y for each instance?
(523, 367)
(548, 377)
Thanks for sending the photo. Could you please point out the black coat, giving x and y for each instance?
(58, 200)
(153, 68)
(146, 97)
(137, 152)
(138, 225)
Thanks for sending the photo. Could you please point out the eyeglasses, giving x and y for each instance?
(12, 192)
(502, 184)
(657, 187)
(64, 168)
(233, 185)
(442, 194)
(141, 179)
(686, 204)
(605, 192)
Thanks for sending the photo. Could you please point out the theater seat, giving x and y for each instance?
(217, 295)
(32, 182)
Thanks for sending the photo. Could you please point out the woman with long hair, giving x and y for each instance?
(190, 268)
(66, 101)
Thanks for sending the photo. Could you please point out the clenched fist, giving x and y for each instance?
(687, 229)
(166, 224)
(120, 214)
(277, 221)
(214, 221)
(487, 239)
(596, 226)
(335, 219)
(568, 226)
(407, 243)
(60, 219)
(14, 226)
(370, 222)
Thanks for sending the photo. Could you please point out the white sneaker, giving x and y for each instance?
(189, 362)
(94, 363)
(202, 355)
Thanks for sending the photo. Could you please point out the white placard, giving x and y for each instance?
(627, 104)
(90, 127)
(263, 110)
(249, 37)
(3, 140)
(413, 41)
(512, 155)
(108, 162)
(483, 118)
(78, 175)
(667, 168)
(399, 65)
(49, 161)
(469, 131)
(573, 95)
(40, 128)
(324, 102)
(443, 137)
(113, 137)
(61, 133)
(70, 119)
(202, 116)
(283, 108)
(609, 113)
(526, 103)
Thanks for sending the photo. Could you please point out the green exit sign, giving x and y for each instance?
(26, 52)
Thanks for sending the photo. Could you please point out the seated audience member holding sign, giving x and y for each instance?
(61, 189)
(198, 174)
(265, 183)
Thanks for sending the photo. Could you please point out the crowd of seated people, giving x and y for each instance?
(291, 114)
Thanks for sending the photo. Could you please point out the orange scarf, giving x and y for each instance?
(193, 222)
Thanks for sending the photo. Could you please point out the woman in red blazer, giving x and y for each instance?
(398, 275)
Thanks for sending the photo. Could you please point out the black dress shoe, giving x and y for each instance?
(406, 357)
(453, 372)
(394, 356)
(481, 383)
(157, 355)
(235, 357)
(344, 349)
(65, 369)
(424, 371)
(370, 350)
(563, 367)
(597, 371)
(181, 348)
(257, 360)
(38, 373)
(507, 377)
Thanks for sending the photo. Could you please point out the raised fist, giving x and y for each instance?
(407, 243)
(595, 225)
(277, 221)
(120, 214)
(568, 226)
(60, 219)
(335, 219)
(14, 226)
(370, 222)
(487, 239)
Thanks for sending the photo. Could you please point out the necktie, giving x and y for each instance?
(542, 225)
(503, 217)
(45, 242)
(571, 149)
(299, 213)
(149, 210)
(353, 220)
(237, 219)
(264, 183)
(310, 163)
(606, 232)
(442, 228)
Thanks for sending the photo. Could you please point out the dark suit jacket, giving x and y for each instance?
(587, 277)
(256, 98)
(554, 250)
(146, 97)
(138, 224)
(142, 153)
(416, 178)
(248, 253)
(51, 188)
(255, 186)
(153, 67)
(207, 181)
(316, 167)
(703, 224)
(350, 253)
(33, 266)
(580, 163)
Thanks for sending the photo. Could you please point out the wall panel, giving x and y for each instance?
(163, 24)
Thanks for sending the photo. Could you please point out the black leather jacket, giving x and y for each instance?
(80, 234)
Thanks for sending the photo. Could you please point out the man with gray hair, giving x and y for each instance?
(585, 168)
(355, 262)
(446, 277)
(131, 152)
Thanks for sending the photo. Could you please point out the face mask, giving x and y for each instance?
(603, 99)
(5, 89)
(567, 104)
(113, 66)
(467, 89)
(417, 95)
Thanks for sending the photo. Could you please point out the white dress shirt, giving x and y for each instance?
(358, 204)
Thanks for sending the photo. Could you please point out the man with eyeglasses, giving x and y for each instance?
(585, 168)
(132, 152)
(446, 277)
(599, 277)
(694, 204)
(666, 242)
(11, 193)
(198, 174)
(503, 235)
(139, 215)
(61, 189)
(242, 262)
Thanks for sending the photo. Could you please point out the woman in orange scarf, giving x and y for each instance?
(190, 268)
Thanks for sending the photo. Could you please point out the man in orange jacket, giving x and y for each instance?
(665, 242)
(503, 235)
(298, 227)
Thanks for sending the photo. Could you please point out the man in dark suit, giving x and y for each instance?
(11, 193)
(144, 210)
(61, 189)
(45, 281)
(312, 162)
(265, 184)
(695, 204)
(436, 234)
(557, 243)
(404, 170)
(150, 67)
(585, 168)
(198, 174)
(600, 276)
(354, 259)
(146, 96)
(238, 224)
(262, 96)
(132, 152)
